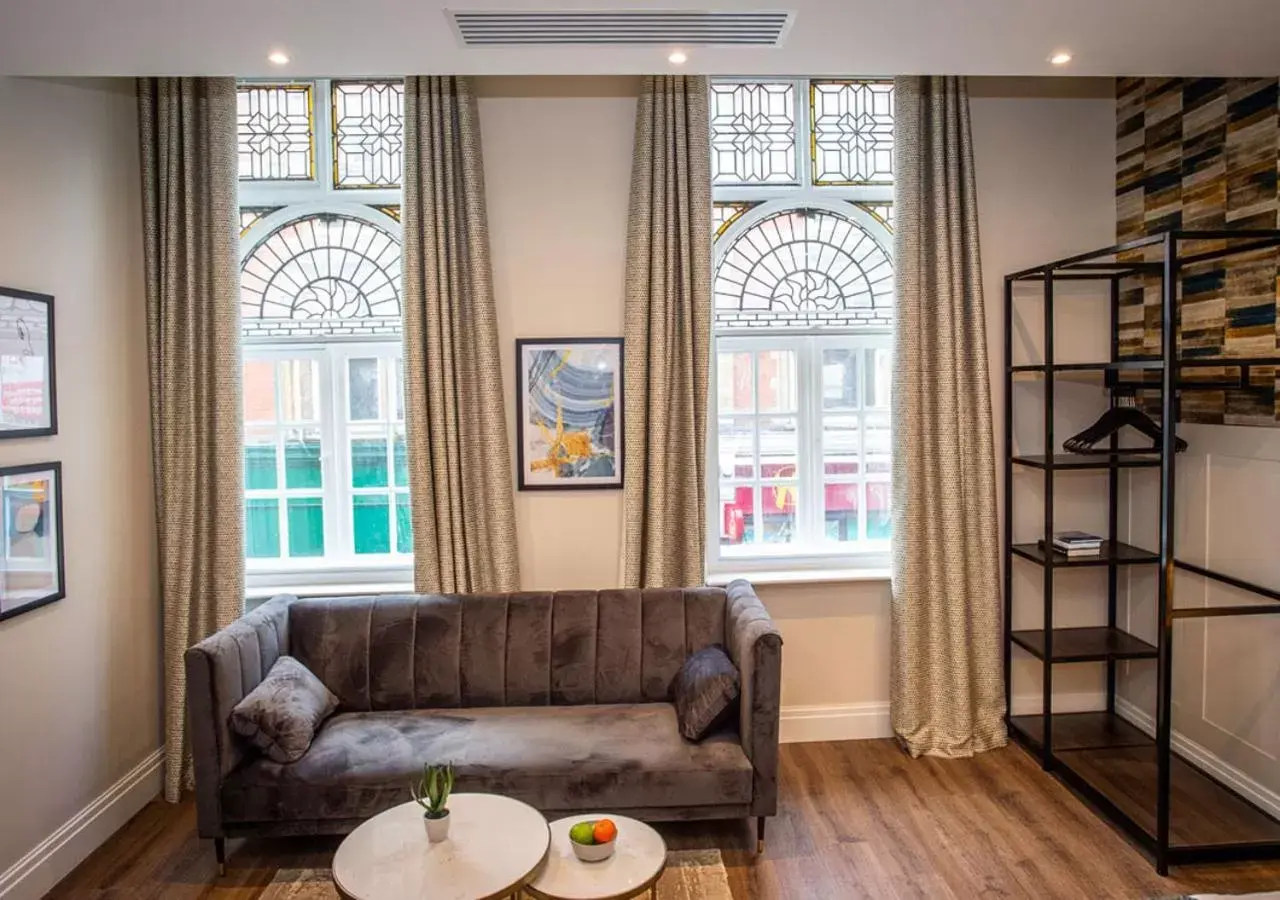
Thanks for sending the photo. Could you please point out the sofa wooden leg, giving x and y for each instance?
(220, 851)
(759, 834)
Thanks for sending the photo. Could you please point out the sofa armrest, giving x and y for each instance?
(756, 647)
(221, 670)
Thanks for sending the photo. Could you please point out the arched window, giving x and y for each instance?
(320, 274)
(803, 320)
(326, 480)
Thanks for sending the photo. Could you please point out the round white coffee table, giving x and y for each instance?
(495, 845)
(634, 868)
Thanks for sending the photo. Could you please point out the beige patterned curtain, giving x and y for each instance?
(946, 686)
(667, 336)
(187, 133)
(464, 534)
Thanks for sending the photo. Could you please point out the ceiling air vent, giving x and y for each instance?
(490, 28)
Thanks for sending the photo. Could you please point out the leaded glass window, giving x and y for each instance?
(725, 214)
(804, 268)
(252, 215)
(368, 131)
(276, 132)
(753, 133)
(320, 276)
(803, 317)
(883, 212)
(852, 123)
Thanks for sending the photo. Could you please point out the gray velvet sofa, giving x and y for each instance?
(558, 699)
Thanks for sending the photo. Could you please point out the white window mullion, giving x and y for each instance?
(809, 375)
(804, 161)
(338, 488)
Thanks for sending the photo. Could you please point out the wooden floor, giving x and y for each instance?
(857, 819)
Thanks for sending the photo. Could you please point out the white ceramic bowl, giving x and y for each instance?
(593, 852)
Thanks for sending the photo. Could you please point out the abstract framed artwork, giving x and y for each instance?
(28, 398)
(32, 571)
(569, 417)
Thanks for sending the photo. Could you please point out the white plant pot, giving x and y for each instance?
(437, 829)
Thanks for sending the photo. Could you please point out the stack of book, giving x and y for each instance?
(1074, 544)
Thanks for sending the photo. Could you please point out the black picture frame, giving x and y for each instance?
(570, 484)
(57, 557)
(9, 297)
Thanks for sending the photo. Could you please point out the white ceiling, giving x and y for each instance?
(827, 37)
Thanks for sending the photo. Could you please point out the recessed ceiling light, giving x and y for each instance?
(278, 58)
(678, 58)
(1060, 58)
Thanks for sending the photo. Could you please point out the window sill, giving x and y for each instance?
(327, 589)
(802, 576)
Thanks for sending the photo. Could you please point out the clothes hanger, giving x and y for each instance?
(1124, 413)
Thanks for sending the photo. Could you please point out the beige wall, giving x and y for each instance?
(79, 679)
(557, 167)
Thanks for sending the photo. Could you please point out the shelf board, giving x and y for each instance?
(1118, 762)
(1119, 553)
(1085, 644)
(1202, 812)
(1124, 365)
(1129, 459)
(1080, 731)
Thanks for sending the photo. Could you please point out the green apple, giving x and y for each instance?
(583, 833)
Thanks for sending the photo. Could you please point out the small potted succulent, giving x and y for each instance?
(432, 794)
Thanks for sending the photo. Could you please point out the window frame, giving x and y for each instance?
(873, 560)
(294, 199)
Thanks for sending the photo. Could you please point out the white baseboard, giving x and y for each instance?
(839, 722)
(864, 721)
(31, 877)
(1251, 789)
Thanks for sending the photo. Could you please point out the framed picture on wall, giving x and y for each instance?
(32, 572)
(28, 400)
(569, 418)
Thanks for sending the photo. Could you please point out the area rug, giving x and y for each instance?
(690, 875)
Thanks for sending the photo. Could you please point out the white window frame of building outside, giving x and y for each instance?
(298, 199)
(815, 558)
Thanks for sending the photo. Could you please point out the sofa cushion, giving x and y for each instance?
(280, 716)
(705, 692)
(569, 758)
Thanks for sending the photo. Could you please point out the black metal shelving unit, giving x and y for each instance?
(1173, 810)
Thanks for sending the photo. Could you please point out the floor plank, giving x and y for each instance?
(856, 819)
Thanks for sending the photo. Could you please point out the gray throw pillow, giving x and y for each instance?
(705, 692)
(281, 715)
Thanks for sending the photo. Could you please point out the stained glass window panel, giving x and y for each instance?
(252, 215)
(393, 211)
(313, 275)
(274, 125)
(725, 214)
(368, 134)
(882, 211)
(753, 133)
(852, 124)
(804, 268)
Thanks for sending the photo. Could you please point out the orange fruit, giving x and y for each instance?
(605, 831)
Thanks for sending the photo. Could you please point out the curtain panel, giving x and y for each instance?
(946, 682)
(464, 533)
(667, 336)
(187, 135)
